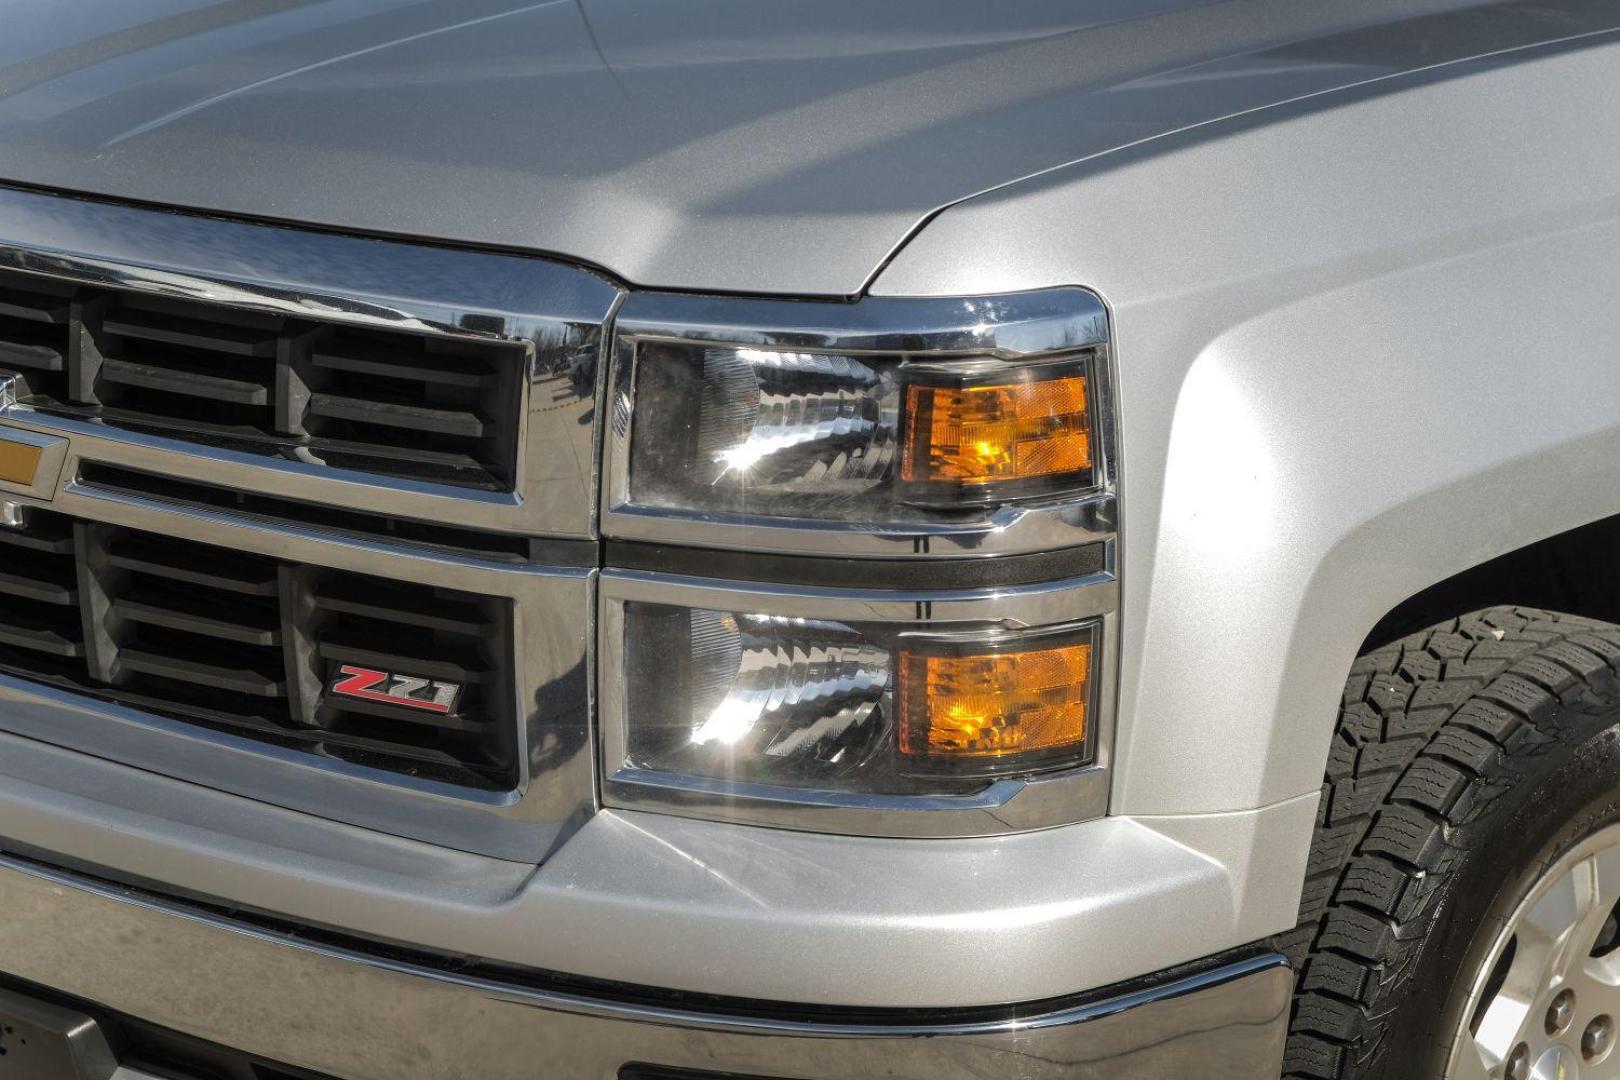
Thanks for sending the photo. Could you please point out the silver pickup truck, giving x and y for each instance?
(853, 540)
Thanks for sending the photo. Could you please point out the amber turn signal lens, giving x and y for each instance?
(979, 705)
(979, 435)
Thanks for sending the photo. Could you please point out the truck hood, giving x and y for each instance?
(734, 145)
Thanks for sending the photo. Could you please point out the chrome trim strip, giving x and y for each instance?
(1004, 806)
(1011, 805)
(249, 472)
(1017, 607)
(1008, 326)
(226, 982)
(458, 547)
(555, 311)
(1015, 325)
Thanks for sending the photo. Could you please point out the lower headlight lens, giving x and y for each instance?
(776, 701)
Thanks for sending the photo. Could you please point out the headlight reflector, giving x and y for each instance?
(755, 698)
(760, 431)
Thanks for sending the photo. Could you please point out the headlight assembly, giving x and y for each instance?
(979, 425)
(964, 442)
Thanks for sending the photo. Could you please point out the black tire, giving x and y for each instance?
(1467, 758)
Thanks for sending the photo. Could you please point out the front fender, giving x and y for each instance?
(1363, 342)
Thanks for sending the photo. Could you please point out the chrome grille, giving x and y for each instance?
(34, 319)
(248, 644)
(273, 453)
(395, 404)
(270, 453)
(39, 580)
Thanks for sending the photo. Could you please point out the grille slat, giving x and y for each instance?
(207, 568)
(41, 587)
(346, 454)
(413, 406)
(395, 661)
(454, 618)
(207, 336)
(35, 323)
(399, 414)
(364, 358)
(346, 746)
(19, 351)
(451, 723)
(185, 382)
(175, 614)
(251, 645)
(236, 680)
(26, 633)
(34, 307)
(42, 542)
(28, 587)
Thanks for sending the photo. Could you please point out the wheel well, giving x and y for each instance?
(1575, 572)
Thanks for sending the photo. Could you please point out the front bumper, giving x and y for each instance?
(360, 1017)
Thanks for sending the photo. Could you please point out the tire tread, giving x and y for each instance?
(1426, 726)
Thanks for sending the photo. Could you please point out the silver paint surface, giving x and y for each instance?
(756, 146)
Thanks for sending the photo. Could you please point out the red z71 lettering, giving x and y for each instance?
(390, 689)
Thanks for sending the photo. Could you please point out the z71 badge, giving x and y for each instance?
(385, 687)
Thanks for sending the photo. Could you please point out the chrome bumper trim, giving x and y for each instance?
(363, 1018)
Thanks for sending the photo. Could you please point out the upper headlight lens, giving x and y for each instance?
(855, 438)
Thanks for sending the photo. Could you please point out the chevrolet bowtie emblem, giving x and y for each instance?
(30, 463)
(19, 461)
